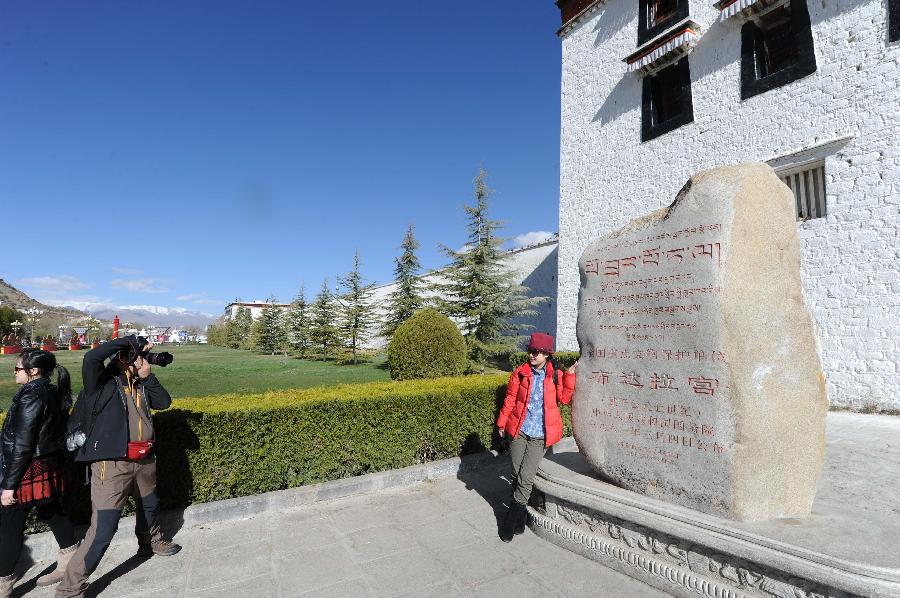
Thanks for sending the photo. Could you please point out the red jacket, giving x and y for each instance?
(518, 393)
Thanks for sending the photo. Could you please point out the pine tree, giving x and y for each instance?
(477, 291)
(237, 329)
(268, 330)
(215, 333)
(297, 323)
(357, 318)
(244, 328)
(323, 327)
(407, 298)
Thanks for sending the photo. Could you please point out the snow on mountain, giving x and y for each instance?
(150, 315)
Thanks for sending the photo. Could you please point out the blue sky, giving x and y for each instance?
(186, 153)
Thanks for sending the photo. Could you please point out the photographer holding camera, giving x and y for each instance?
(113, 425)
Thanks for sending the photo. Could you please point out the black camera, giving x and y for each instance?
(161, 359)
(130, 355)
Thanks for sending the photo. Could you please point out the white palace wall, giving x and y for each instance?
(534, 267)
(849, 259)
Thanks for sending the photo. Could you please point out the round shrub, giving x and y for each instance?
(427, 345)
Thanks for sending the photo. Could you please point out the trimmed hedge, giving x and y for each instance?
(222, 447)
(563, 358)
(227, 446)
(427, 345)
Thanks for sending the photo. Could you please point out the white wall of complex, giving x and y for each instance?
(255, 309)
(533, 267)
(849, 259)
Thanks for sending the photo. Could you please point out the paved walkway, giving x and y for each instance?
(431, 539)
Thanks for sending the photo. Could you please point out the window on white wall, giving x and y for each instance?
(666, 100)
(656, 16)
(776, 48)
(808, 185)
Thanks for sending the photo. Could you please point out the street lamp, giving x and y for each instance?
(33, 314)
(16, 325)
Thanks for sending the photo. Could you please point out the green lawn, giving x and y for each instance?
(201, 370)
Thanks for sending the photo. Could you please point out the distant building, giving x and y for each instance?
(654, 91)
(179, 336)
(255, 307)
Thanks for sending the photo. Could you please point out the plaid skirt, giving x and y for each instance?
(44, 480)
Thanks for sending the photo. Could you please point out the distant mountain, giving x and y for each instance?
(13, 297)
(155, 315)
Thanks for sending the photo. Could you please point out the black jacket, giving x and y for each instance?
(35, 426)
(101, 412)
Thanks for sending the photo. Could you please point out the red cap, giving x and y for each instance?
(542, 342)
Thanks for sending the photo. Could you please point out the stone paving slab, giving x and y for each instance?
(431, 539)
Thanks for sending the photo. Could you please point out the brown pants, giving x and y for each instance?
(526, 454)
(112, 482)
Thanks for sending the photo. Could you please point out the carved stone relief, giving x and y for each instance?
(692, 566)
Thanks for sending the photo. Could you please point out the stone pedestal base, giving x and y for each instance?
(688, 553)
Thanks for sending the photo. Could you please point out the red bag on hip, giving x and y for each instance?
(139, 450)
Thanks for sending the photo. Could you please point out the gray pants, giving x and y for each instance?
(526, 456)
(112, 482)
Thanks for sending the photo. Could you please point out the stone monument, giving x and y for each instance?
(700, 381)
(700, 409)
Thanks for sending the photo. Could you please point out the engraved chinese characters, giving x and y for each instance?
(700, 381)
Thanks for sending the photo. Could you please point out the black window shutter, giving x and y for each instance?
(894, 20)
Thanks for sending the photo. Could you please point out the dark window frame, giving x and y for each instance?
(893, 20)
(569, 9)
(805, 64)
(651, 130)
(646, 32)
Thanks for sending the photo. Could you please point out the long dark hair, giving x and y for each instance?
(45, 363)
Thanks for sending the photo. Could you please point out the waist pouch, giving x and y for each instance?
(139, 450)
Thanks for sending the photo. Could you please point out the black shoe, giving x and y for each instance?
(521, 512)
(508, 527)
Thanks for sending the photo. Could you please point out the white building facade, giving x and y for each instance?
(653, 91)
(255, 307)
(534, 267)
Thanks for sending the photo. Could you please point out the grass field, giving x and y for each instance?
(201, 370)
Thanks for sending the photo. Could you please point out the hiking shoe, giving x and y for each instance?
(158, 548)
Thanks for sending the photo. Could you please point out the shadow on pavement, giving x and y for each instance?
(101, 583)
(491, 481)
(24, 588)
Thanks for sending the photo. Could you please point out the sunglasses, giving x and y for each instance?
(18, 369)
(536, 352)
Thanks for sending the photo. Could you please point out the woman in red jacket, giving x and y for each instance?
(530, 417)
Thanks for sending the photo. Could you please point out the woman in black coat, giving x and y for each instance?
(32, 462)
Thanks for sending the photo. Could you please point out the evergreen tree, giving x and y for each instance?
(297, 323)
(323, 328)
(476, 289)
(8, 315)
(357, 318)
(215, 333)
(268, 330)
(244, 327)
(238, 329)
(407, 298)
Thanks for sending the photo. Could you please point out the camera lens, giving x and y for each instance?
(161, 359)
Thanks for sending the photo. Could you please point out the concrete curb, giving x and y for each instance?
(42, 547)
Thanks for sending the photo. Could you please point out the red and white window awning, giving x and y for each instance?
(666, 48)
(730, 8)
